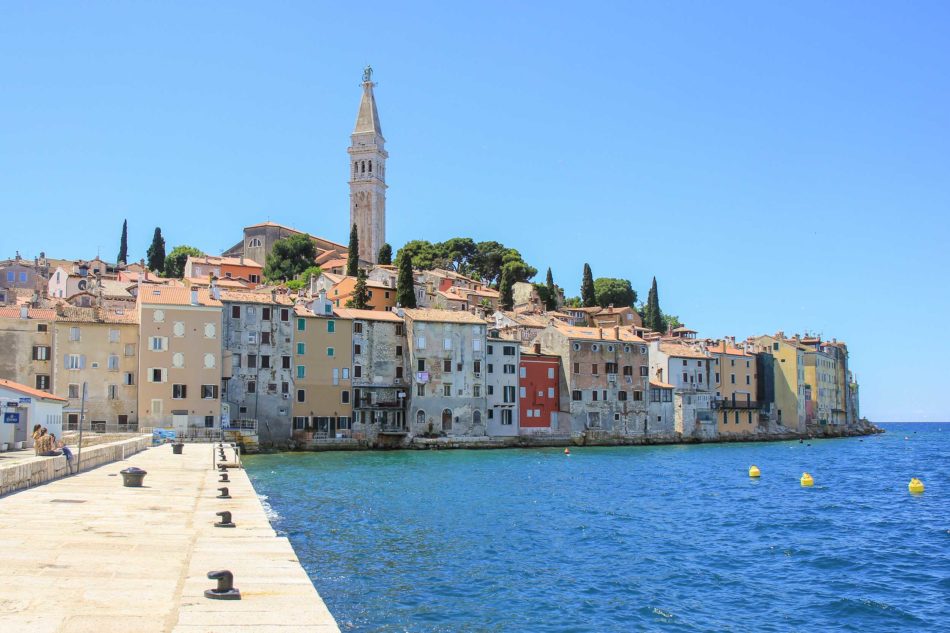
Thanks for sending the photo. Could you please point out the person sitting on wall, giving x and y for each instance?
(46, 445)
(36, 437)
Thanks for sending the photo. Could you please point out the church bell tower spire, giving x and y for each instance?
(368, 174)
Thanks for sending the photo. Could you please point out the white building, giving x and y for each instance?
(24, 406)
(502, 363)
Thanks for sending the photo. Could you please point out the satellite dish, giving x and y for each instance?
(82, 284)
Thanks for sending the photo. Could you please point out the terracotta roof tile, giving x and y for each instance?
(443, 316)
(597, 334)
(169, 295)
(30, 391)
(368, 315)
(41, 314)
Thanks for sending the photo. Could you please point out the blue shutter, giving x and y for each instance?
(82, 361)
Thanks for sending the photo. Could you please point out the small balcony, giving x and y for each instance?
(728, 403)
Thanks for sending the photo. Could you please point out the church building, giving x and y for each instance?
(368, 175)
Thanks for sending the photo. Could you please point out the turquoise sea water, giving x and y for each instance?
(673, 538)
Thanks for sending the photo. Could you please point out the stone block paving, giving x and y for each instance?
(85, 554)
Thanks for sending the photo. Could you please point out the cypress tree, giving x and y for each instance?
(385, 256)
(353, 257)
(360, 297)
(405, 289)
(506, 288)
(156, 252)
(652, 315)
(588, 297)
(552, 292)
(123, 244)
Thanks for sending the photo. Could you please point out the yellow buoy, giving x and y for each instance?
(754, 471)
(916, 486)
(807, 480)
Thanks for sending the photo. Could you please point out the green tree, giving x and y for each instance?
(652, 315)
(123, 244)
(422, 255)
(671, 321)
(156, 252)
(588, 296)
(615, 292)
(572, 302)
(550, 303)
(353, 254)
(405, 289)
(310, 273)
(360, 297)
(175, 262)
(506, 289)
(459, 253)
(290, 257)
(385, 256)
(488, 260)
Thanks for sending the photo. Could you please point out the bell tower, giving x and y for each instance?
(368, 175)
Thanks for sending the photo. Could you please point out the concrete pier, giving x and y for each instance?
(85, 554)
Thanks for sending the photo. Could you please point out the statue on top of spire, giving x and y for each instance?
(367, 74)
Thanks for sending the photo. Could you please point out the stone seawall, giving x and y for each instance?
(39, 470)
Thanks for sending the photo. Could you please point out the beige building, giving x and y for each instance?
(322, 361)
(97, 348)
(735, 381)
(26, 341)
(180, 358)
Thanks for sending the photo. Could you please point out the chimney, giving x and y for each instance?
(24, 312)
(194, 296)
(600, 333)
(617, 332)
(215, 291)
(537, 348)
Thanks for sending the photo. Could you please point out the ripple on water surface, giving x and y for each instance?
(622, 539)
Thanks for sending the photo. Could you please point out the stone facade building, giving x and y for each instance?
(604, 378)
(258, 379)
(26, 338)
(368, 175)
(380, 377)
(686, 366)
(446, 357)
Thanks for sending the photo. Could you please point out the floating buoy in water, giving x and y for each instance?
(567, 451)
(916, 486)
(807, 480)
(754, 471)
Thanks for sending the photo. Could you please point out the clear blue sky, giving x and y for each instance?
(775, 165)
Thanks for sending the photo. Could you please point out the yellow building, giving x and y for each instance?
(734, 379)
(821, 376)
(789, 379)
(322, 361)
(97, 347)
(179, 359)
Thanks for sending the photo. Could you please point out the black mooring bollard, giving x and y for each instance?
(176, 448)
(224, 493)
(225, 589)
(224, 479)
(226, 521)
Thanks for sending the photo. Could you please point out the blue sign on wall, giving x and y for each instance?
(11, 418)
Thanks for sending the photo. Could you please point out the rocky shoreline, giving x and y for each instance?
(861, 429)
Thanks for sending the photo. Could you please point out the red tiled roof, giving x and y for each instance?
(30, 391)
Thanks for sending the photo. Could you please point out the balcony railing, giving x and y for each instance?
(728, 403)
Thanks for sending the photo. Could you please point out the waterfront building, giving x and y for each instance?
(733, 377)
(610, 316)
(539, 392)
(258, 371)
(379, 375)
(661, 418)
(26, 338)
(368, 175)
(605, 374)
(223, 268)
(180, 370)
(684, 364)
(323, 358)
(22, 407)
(339, 289)
(788, 378)
(502, 369)
(447, 358)
(98, 348)
(820, 375)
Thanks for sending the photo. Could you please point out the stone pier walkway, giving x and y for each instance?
(85, 554)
